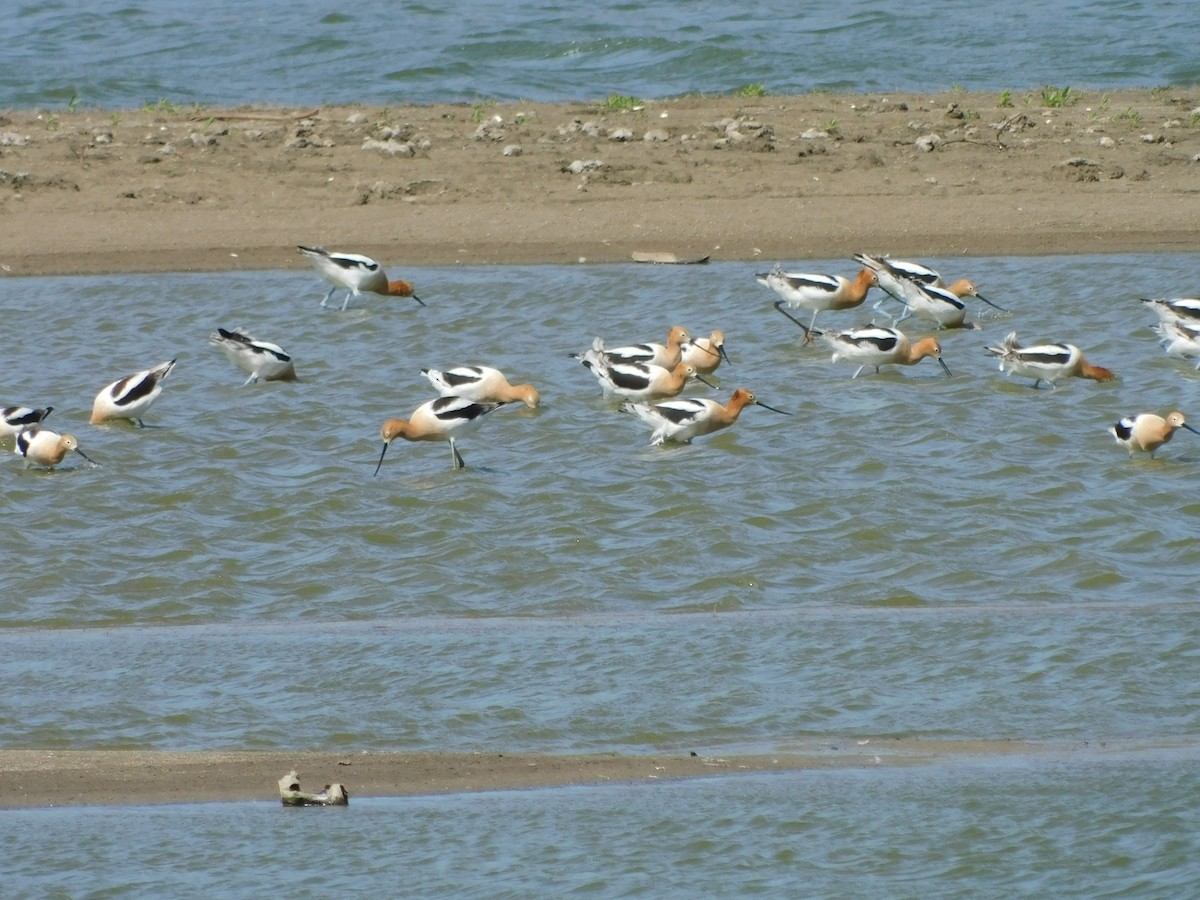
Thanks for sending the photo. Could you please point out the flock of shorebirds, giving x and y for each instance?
(924, 293)
(650, 376)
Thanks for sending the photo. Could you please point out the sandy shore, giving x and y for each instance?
(772, 178)
(769, 178)
(41, 778)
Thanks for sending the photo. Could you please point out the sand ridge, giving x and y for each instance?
(768, 178)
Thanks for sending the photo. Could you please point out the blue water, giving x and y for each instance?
(129, 53)
(1118, 826)
(908, 556)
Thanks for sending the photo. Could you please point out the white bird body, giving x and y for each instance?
(903, 280)
(1179, 339)
(817, 292)
(683, 419)
(15, 419)
(356, 274)
(482, 384)
(937, 304)
(637, 381)
(131, 396)
(872, 346)
(1146, 432)
(261, 360)
(443, 419)
(667, 355)
(1178, 309)
(897, 277)
(1046, 362)
(43, 447)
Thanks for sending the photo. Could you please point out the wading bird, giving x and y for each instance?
(443, 419)
(356, 274)
(131, 396)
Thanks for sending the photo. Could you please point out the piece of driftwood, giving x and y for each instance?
(263, 116)
(291, 795)
(666, 259)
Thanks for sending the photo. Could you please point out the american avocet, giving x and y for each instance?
(261, 360)
(482, 384)
(1179, 339)
(1046, 362)
(1146, 432)
(43, 447)
(898, 276)
(131, 396)
(443, 419)
(816, 292)
(15, 419)
(942, 305)
(355, 274)
(639, 381)
(682, 420)
(894, 272)
(706, 353)
(876, 345)
(667, 355)
(1178, 309)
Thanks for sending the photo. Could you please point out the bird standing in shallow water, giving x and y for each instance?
(15, 419)
(943, 305)
(900, 279)
(482, 384)
(131, 396)
(816, 292)
(356, 274)
(443, 419)
(1046, 362)
(876, 345)
(638, 381)
(667, 355)
(261, 360)
(43, 447)
(1146, 432)
(682, 420)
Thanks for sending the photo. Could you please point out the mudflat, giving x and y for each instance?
(760, 178)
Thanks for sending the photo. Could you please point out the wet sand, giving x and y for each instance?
(43, 778)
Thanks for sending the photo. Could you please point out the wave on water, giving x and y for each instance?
(376, 53)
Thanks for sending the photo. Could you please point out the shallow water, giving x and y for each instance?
(135, 52)
(908, 555)
(1108, 827)
(919, 531)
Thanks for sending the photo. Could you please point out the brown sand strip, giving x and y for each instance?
(39, 778)
(762, 179)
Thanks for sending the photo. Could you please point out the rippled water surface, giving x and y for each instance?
(907, 555)
(130, 53)
(1120, 827)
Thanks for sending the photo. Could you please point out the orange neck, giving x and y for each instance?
(1096, 373)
